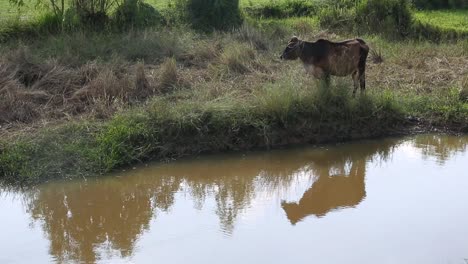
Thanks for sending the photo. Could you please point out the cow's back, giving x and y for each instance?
(343, 57)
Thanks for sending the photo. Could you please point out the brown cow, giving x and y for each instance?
(324, 58)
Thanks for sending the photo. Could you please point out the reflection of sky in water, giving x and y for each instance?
(398, 201)
(21, 241)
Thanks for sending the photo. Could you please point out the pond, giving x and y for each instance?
(395, 200)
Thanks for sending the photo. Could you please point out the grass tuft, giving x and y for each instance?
(169, 75)
(237, 57)
(464, 90)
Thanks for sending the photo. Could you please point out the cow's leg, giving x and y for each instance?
(326, 78)
(320, 74)
(362, 68)
(355, 81)
(362, 80)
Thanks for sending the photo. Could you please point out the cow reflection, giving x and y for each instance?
(330, 191)
(85, 219)
(340, 181)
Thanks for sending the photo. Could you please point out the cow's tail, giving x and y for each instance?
(361, 41)
(364, 52)
(376, 55)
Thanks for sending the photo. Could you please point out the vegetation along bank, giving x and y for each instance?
(83, 93)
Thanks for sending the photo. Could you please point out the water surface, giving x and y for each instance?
(401, 200)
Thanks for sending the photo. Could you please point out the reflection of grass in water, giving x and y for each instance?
(234, 184)
(233, 181)
(440, 146)
(82, 217)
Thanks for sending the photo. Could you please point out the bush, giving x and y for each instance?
(210, 15)
(336, 17)
(92, 14)
(342, 3)
(67, 14)
(391, 17)
(136, 14)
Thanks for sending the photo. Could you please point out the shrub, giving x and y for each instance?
(71, 20)
(210, 15)
(283, 9)
(336, 17)
(136, 14)
(343, 3)
(391, 17)
(93, 10)
(66, 14)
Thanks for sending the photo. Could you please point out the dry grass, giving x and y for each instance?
(32, 91)
(237, 58)
(421, 74)
(37, 90)
(376, 56)
(169, 75)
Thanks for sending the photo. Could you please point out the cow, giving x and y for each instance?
(324, 58)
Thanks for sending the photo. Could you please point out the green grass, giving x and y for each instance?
(243, 3)
(445, 19)
(10, 12)
(278, 114)
(291, 111)
(218, 92)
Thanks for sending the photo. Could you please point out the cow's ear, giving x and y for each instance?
(294, 39)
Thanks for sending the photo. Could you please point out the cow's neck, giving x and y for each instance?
(304, 56)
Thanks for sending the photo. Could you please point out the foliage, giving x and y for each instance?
(239, 96)
(391, 17)
(90, 14)
(208, 15)
(282, 9)
(278, 114)
(336, 17)
(136, 14)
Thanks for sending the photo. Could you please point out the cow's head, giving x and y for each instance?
(293, 50)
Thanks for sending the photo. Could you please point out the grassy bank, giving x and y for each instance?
(81, 104)
(82, 112)
(277, 115)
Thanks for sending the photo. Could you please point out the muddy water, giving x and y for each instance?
(388, 201)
